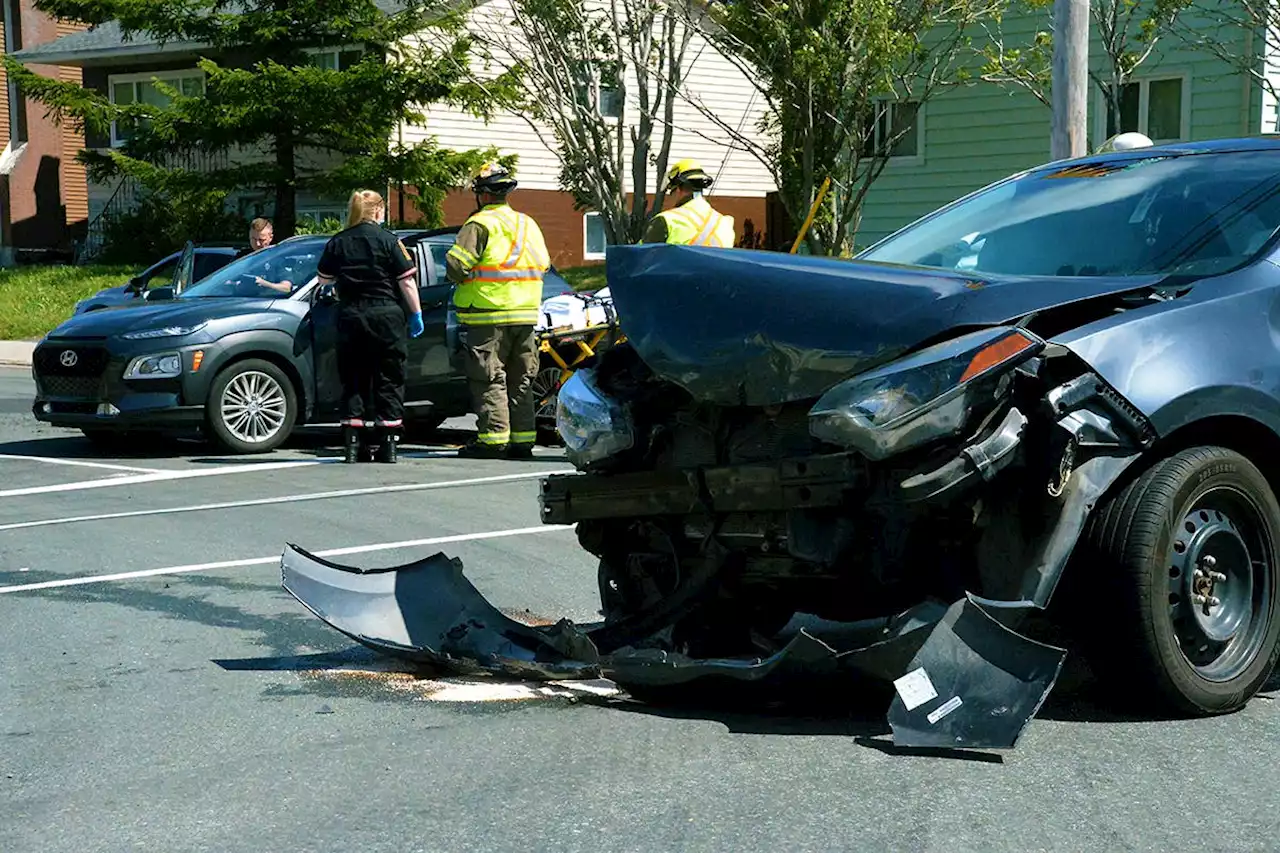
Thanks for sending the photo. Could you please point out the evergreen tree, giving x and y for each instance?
(286, 123)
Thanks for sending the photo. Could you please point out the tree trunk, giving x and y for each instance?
(286, 220)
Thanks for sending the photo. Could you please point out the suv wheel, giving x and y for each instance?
(546, 390)
(1181, 588)
(252, 407)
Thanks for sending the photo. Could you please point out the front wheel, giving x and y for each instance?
(252, 407)
(1181, 592)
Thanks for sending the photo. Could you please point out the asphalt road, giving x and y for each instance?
(196, 706)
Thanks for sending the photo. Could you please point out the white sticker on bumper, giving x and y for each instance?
(915, 688)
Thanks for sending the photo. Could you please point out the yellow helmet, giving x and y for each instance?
(687, 172)
(494, 178)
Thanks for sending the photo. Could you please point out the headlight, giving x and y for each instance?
(925, 396)
(163, 366)
(593, 426)
(166, 332)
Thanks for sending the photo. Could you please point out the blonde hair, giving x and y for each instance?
(259, 225)
(363, 207)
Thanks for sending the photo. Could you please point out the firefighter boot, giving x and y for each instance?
(387, 441)
(351, 444)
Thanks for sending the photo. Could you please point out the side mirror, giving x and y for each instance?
(135, 285)
(160, 293)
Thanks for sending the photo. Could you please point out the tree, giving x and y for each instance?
(1127, 30)
(1243, 34)
(292, 123)
(596, 81)
(840, 82)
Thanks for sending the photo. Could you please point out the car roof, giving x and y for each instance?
(1173, 149)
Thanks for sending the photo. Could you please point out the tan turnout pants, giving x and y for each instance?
(501, 364)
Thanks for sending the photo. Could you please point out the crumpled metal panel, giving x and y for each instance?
(758, 348)
(428, 612)
(987, 683)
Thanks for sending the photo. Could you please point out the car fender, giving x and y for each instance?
(275, 344)
(1209, 353)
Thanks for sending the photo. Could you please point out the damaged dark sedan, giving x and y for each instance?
(1063, 389)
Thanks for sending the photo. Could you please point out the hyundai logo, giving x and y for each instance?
(68, 358)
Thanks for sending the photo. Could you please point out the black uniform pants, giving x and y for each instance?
(373, 347)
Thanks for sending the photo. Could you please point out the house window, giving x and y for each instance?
(142, 89)
(335, 58)
(1155, 107)
(598, 87)
(17, 101)
(593, 237)
(895, 125)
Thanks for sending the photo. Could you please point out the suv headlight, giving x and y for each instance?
(164, 365)
(926, 396)
(592, 425)
(166, 332)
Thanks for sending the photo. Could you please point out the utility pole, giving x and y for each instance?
(1070, 82)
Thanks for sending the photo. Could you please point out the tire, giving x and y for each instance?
(546, 385)
(1148, 550)
(249, 430)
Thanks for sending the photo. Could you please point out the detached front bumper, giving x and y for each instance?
(962, 678)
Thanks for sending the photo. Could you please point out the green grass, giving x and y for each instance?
(584, 278)
(35, 299)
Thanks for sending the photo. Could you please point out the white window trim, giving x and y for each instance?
(1144, 100)
(917, 159)
(591, 256)
(167, 77)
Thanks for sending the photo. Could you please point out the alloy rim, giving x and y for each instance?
(546, 387)
(253, 407)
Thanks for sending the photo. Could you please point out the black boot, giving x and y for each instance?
(387, 441)
(368, 450)
(351, 444)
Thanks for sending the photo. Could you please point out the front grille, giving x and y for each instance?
(71, 386)
(54, 359)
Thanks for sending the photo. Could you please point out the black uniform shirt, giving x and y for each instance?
(367, 262)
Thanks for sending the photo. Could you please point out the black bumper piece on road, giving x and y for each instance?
(976, 683)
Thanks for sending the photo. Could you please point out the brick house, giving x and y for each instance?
(124, 70)
(43, 191)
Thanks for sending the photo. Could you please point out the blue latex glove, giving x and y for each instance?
(415, 324)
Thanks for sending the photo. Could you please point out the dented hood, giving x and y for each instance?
(743, 327)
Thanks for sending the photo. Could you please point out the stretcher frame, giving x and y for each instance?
(583, 344)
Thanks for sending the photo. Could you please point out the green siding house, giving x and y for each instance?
(972, 135)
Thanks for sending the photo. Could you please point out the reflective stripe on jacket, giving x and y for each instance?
(504, 286)
(697, 223)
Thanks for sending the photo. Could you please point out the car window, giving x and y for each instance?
(438, 252)
(1198, 214)
(160, 275)
(208, 262)
(294, 262)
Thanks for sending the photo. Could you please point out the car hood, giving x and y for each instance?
(744, 327)
(108, 322)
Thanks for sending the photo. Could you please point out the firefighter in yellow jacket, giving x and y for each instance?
(693, 221)
(497, 263)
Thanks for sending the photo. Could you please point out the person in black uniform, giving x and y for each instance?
(376, 280)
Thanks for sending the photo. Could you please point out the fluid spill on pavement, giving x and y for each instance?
(393, 677)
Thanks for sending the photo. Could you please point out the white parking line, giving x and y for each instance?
(265, 561)
(160, 476)
(284, 499)
(78, 462)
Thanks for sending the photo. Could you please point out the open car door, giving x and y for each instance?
(184, 272)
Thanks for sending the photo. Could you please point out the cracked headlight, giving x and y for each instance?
(925, 396)
(162, 366)
(166, 332)
(593, 426)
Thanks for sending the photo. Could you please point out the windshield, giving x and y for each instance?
(288, 266)
(1200, 214)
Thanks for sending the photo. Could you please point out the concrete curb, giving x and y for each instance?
(16, 353)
